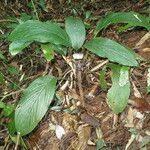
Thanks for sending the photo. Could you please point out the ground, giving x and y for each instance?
(82, 125)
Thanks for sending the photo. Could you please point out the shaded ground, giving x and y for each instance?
(80, 123)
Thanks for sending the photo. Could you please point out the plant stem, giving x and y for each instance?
(17, 142)
(79, 81)
(36, 13)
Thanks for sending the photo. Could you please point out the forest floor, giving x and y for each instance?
(129, 130)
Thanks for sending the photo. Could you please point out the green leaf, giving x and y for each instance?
(48, 51)
(60, 49)
(8, 110)
(76, 31)
(17, 46)
(119, 93)
(34, 104)
(34, 30)
(11, 128)
(100, 144)
(133, 131)
(112, 50)
(124, 28)
(132, 18)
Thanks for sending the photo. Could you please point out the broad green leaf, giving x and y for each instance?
(148, 80)
(34, 30)
(112, 50)
(132, 18)
(118, 94)
(34, 104)
(17, 46)
(48, 51)
(76, 31)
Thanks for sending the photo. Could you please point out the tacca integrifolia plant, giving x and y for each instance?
(38, 96)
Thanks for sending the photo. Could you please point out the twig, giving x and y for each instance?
(142, 40)
(99, 66)
(11, 81)
(5, 20)
(12, 93)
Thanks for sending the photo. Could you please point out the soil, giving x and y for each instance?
(83, 125)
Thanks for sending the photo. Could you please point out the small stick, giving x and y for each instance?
(99, 66)
(12, 93)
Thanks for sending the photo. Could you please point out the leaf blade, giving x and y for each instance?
(34, 30)
(48, 51)
(112, 50)
(34, 104)
(131, 18)
(118, 95)
(76, 31)
(17, 46)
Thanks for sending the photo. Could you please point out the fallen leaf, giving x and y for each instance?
(90, 120)
(140, 103)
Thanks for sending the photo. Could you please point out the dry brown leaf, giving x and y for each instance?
(140, 103)
(90, 120)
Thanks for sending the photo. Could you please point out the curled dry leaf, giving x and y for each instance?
(90, 120)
